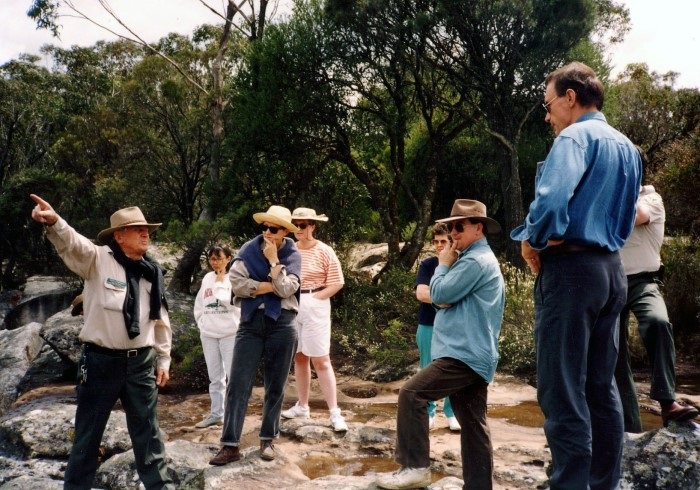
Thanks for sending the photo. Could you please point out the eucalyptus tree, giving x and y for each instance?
(646, 106)
(400, 113)
(29, 103)
(497, 53)
(247, 17)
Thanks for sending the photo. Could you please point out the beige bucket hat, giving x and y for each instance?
(308, 214)
(125, 217)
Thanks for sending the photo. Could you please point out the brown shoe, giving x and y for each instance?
(226, 455)
(675, 412)
(267, 450)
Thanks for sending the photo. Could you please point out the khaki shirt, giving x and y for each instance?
(642, 250)
(104, 293)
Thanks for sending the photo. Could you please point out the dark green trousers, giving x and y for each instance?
(645, 301)
(102, 380)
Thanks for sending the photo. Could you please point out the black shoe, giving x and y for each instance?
(226, 455)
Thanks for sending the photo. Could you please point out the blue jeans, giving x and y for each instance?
(578, 300)
(424, 338)
(274, 343)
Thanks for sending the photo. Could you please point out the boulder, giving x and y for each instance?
(663, 459)
(18, 348)
(43, 428)
(42, 298)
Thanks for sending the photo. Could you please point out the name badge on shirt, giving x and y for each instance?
(115, 283)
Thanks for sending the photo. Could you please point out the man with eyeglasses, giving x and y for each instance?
(468, 291)
(584, 210)
(265, 277)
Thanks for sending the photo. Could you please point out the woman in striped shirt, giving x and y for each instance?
(321, 278)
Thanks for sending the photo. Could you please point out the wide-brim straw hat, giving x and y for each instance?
(125, 217)
(278, 215)
(308, 214)
(469, 208)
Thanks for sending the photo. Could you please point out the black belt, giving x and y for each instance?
(115, 352)
(566, 248)
(649, 276)
(316, 290)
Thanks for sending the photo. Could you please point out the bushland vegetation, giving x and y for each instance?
(377, 113)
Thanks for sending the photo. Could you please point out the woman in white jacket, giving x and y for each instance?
(217, 319)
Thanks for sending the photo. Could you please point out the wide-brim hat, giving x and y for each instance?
(308, 214)
(469, 208)
(125, 217)
(278, 215)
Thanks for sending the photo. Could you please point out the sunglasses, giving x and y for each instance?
(302, 226)
(273, 229)
(441, 242)
(458, 227)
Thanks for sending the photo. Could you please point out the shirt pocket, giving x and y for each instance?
(114, 292)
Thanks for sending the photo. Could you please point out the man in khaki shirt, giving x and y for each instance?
(641, 259)
(126, 339)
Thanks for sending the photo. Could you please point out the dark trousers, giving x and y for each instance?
(578, 299)
(467, 391)
(644, 299)
(274, 343)
(132, 381)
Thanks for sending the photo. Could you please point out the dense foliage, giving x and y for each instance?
(378, 113)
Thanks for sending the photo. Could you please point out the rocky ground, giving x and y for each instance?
(520, 453)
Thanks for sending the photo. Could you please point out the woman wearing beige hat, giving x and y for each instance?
(265, 279)
(321, 278)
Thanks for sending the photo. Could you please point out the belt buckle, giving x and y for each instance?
(132, 353)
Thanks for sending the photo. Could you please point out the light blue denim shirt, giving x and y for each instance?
(468, 330)
(586, 190)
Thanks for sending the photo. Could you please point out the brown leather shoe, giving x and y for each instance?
(226, 455)
(675, 412)
(267, 450)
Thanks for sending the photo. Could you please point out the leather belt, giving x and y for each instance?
(566, 248)
(315, 290)
(115, 352)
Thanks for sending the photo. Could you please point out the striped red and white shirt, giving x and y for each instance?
(320, 267)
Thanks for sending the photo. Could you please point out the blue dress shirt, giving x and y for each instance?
(586, 190)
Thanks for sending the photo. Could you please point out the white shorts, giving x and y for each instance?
(314, 326)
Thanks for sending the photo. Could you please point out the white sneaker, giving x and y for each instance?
(405, 478)
(297, 411)
(337, 421)
(431, 422)
(453, 424)
(209, 421)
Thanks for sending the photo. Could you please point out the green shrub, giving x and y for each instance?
(376, 323)
(517, 344)
(189, 367)
(681, 257)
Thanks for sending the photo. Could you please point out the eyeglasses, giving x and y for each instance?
(217, 259)
(273, 229)
(458, 227)
(547, 104)
(302, 226)
(440, 242)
